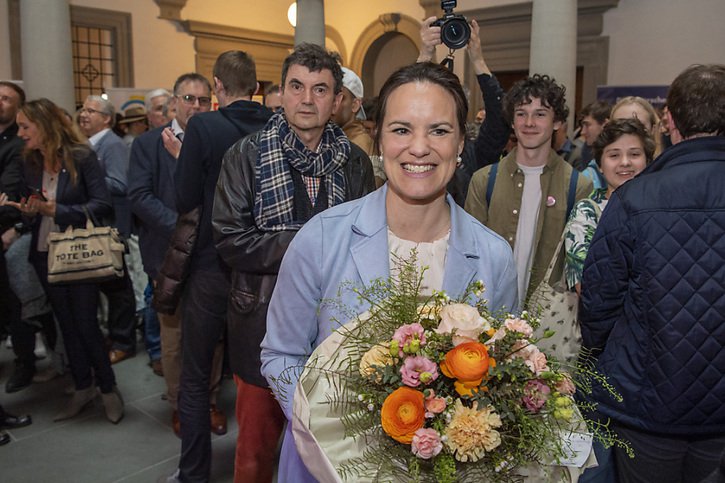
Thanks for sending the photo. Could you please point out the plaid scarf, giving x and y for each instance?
(280, 149)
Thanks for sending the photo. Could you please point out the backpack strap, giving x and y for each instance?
(571, 198)
(491, 183)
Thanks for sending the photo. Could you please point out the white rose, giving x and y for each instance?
(465, 320)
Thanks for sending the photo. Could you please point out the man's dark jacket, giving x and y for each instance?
(12, 181)
(207, 137)
(653, 294)
(254, 255)
(152, 195)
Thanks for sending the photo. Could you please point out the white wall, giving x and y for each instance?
(651, 41)
(161, 51)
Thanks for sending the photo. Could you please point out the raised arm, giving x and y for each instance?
(494, 130)
(430, 37)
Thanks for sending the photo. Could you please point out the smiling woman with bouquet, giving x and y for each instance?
(421, 127)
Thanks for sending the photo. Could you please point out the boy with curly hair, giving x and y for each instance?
(530, 201)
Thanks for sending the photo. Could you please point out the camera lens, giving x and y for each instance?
(455, 33)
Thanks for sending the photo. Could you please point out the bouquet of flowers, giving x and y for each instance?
(443, 390)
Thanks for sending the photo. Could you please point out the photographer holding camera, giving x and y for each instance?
(494, 131)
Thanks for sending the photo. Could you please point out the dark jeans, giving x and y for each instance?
(204, 309)
(151, 325)
(75, 306)
(121, 313)
(665, 458)
(21, 334)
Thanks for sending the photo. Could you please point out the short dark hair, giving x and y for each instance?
(598, 110)
(422, 72)
(696, 100)
(18, 90)
(617, 128)
(191, 77)
(315, 58)
(538, 86)
(237, 72)
(272, 89)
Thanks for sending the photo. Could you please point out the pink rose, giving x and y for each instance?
(536, 361)
(535, 395)
(426, 443)
(434, 404)
(520, 326)
(464, 320)
(565, 386)
(409, 334)
(418, 369)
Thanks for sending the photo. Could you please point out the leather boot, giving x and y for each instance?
(113, 405)
(79, 401)
(21, 377)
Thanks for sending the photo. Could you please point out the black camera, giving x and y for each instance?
(455, 31)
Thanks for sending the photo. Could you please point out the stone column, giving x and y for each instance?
(310, 22)
(46, 51)
(553, 44)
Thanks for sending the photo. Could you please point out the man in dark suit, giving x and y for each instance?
(96, 121)
(12, 183)
(153, 201)
(204, 303)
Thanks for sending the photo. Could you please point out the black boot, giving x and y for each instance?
(21, 378)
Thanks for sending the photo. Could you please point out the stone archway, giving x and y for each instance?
(392, 33)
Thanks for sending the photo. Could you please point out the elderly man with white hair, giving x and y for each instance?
(156, 104)
(96, 119)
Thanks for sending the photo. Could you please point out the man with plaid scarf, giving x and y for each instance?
(270, 184)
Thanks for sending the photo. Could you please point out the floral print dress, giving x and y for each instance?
(579, 233)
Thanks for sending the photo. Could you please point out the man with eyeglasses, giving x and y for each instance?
(191, 98)
(153, 201)
(96, 121)
(204, 302)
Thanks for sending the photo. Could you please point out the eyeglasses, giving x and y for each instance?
(190, 100)
(90, 111)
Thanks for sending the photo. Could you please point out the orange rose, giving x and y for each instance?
(403, 413)
(467, 363)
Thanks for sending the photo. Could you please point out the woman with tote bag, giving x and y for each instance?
(66, 185)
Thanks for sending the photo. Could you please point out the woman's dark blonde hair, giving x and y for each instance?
(60, 138)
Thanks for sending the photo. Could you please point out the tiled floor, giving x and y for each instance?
(88, 448)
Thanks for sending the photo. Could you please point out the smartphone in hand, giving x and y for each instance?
(36, 193)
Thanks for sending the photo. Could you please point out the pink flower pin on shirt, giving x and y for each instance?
(550, 201)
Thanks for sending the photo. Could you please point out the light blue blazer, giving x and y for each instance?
(349, 243)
